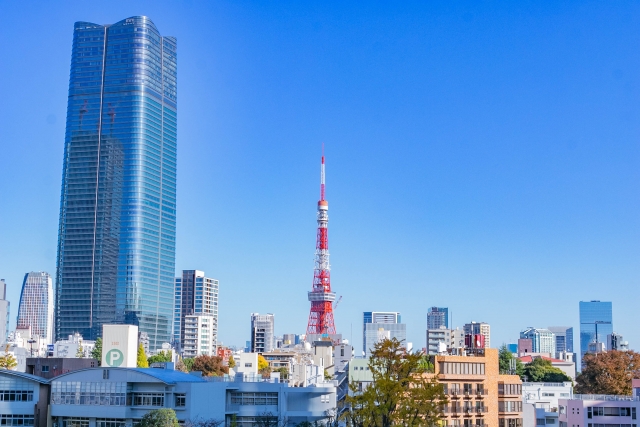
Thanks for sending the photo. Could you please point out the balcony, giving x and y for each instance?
(481, 410)
(480, 394)
(454, 393)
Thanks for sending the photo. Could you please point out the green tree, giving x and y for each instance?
(188, 363)
(400, 394)
(541, 370)
(8, 361)
(96, 353)
(504, 360)
(232, 362)
(142, 361)
(211, 366)
(327, 375)
(608, 373)
(162, 356)
(284, 373)
(159, 418)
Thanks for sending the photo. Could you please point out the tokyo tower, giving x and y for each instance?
(321, 314)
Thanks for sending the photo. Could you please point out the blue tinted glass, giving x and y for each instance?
(116, 247)
(594, 315)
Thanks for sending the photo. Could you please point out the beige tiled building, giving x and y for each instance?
(478, 395)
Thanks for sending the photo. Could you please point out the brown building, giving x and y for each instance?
(49, 367)
(478, 394)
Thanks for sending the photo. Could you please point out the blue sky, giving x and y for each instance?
(482, 156)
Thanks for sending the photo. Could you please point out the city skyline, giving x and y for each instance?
(489, 169)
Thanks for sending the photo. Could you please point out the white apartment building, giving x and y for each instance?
(200, 335)
(542, 340)
(262, 337)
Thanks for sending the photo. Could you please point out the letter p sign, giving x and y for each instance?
(114, 358)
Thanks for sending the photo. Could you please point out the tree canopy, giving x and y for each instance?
(400, 394)
(8, 360)
(505, 357)
(159, 418)
(161, 356)
(608, 373)
(96, 353)
(232, 362)
(142, 361)
(541, 370)
(211, 366)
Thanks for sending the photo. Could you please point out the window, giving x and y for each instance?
(342, 351)
(88, 393)
(110, 422)
(540, 421)
(181, 400)
(550, 420)
(16, 395)
(255, 399)
(248, 365)
(75, 422)
(461, 368)
(147, 399)
(509, 389)
(16, 420)
(510, 406)
(105, 374)
(45, 368)
(548, 394)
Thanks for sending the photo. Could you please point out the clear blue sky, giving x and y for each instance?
(482, 156)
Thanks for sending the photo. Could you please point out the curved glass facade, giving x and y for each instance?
(36, 305)
(116, 246)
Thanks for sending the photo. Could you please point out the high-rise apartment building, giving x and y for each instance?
(564, 338)
(596, 322)
(437, 317)
(195, 294)
(479, 328)
(542, 340)
(36, 305)
(4, 312)
(262, 335)
(378, 325)
(443, 339)
(201, 335)
(116, 244)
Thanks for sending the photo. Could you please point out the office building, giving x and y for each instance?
(36, 305)
(117, 230)
(616, 342)
(479, 328)
(596, 322)
(438, 317)
(195, 294)
(442, 339)
(380, 325)
(262, 337)
(4, 312)
(542, 340)
(564, 338)
(200, 337)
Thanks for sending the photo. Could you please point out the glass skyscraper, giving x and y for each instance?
(594, 316)
(36, 305)
(116, 245)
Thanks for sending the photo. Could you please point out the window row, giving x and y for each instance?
(248, 398)
(604, 411)
(16, 420)
(462, 368)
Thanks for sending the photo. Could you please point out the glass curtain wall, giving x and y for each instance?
(116, 246)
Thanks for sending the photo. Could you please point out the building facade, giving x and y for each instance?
(378, 325)
(438, 317)
(542, 340)
(36, 305)
(116, 244)
(4, 312)
(588, 410)
(24, 399)
(262, 337)
(564, 338)
(596, 322)
(195, 294)
(479, 328)
(540, 402)
(442, 339)
(200, 336)
(616, 342)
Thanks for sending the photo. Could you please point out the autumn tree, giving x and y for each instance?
(210, 366)
(608, 373)
(142, 361)
(400, 394)
(232, 362)
(263, 367)
(8, 360)
(159, 418)
(80, 352)
(541, 370)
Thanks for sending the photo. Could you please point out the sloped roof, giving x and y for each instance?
(24, 375)
(529, 359)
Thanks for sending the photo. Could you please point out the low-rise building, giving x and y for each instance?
(49, 367)
(567, 366)
(588, 410)
(24, 399)
(540, 402)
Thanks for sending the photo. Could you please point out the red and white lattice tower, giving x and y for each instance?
(321, 297)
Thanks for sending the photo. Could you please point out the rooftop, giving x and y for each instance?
(607, 397)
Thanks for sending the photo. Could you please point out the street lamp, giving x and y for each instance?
(32, 341)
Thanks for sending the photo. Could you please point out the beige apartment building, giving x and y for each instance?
(478, 394)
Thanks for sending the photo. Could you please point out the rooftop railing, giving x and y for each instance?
(607, 397)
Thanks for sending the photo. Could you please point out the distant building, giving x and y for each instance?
(564, 338)
(200, 335)
(567, 366)
(194, 294)
(479, 328)
(596, 322)
(438, 317)
(542, 340)
(49, 367)
(36, 305)
(617, 342)
(540, 402)
(4, 312)
(598, 410)
(442, 339)
(73, 347)
(378, 325)
(262, 328)
(525, 346)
